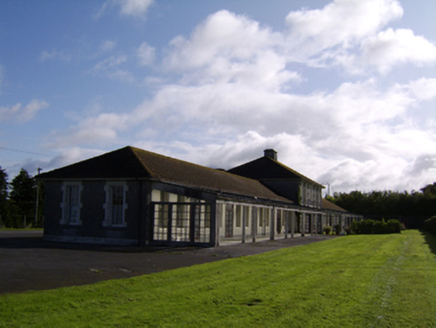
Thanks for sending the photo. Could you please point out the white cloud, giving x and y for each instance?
(108, 45)
(135, 8)
(20, 113)
(111, 62)
(54, 55)
(393, 47)
(423, 89)
(146, 54)
(110, 67)
(338, 136)
(100, 130)
(222, 34)
(227, 47)
(341, 23)
(230, 48)
(348, 33)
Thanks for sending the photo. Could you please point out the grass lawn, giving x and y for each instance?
(352, 281)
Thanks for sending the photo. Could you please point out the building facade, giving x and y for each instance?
(135, 197)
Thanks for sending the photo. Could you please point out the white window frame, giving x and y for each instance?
(107, 206)
(66, 218)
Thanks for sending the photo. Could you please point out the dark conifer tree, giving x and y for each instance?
(23, 196)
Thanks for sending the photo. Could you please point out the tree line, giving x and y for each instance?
(411, 208)
(19, 206)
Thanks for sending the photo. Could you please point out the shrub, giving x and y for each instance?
(430, 225)
(337, 228)
(394, 226)
(327, 230)
(363, 227)
(379, 227)
(369, 226)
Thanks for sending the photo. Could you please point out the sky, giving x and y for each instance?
(343, 90)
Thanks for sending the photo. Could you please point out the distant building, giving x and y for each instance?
(135, 197)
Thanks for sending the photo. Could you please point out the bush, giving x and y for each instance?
(380, 227)
(363, 227)
(369, 226)
(430, 225)
(337, 228)
(394, 226)
(327, 230)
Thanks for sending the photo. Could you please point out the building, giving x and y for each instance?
(315, 212)
(135, 197)
(335, 216)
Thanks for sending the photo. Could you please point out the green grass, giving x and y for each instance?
(353, 281)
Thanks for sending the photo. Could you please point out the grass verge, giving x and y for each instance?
(353, 281)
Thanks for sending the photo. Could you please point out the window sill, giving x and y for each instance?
(71, 224)
(108, 225)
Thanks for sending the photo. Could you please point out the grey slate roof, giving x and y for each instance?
(134, 163)
(265, 168)
(327, 205)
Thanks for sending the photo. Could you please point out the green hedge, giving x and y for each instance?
(369, 227)
(430, 225)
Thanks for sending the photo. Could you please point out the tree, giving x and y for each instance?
(429, 190)
(3, 196)
(23, 196)
(411, 207)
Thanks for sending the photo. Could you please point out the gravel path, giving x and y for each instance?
(29, 263)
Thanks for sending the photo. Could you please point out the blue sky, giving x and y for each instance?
(344, 90)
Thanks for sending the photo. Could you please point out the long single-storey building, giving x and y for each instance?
(135, 197)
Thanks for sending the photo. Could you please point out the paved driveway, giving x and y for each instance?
(29, 263)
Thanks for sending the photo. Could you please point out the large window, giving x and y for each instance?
(71, 203)
(180, 219)
(115, 205)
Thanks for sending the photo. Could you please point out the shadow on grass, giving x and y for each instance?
(430, 239)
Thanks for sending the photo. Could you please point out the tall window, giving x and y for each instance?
(71, 203)
(115, 205)
(238, 216)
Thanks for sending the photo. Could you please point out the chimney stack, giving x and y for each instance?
(271, 153)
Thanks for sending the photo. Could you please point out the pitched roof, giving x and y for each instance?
(327, 205)
(130, 162)
(265, 168)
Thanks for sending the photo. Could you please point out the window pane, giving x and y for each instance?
(117, 204)
(117, 195)
(72, 204)
(160, 222)
(181, 222)
(202, 223)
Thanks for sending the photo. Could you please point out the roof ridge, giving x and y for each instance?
(292, 170)
(243, 164)
(183, 161)
(134, 151)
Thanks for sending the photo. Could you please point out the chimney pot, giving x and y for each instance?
(271, 153)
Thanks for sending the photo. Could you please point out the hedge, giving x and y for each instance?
(430, 225)
(369, 227)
